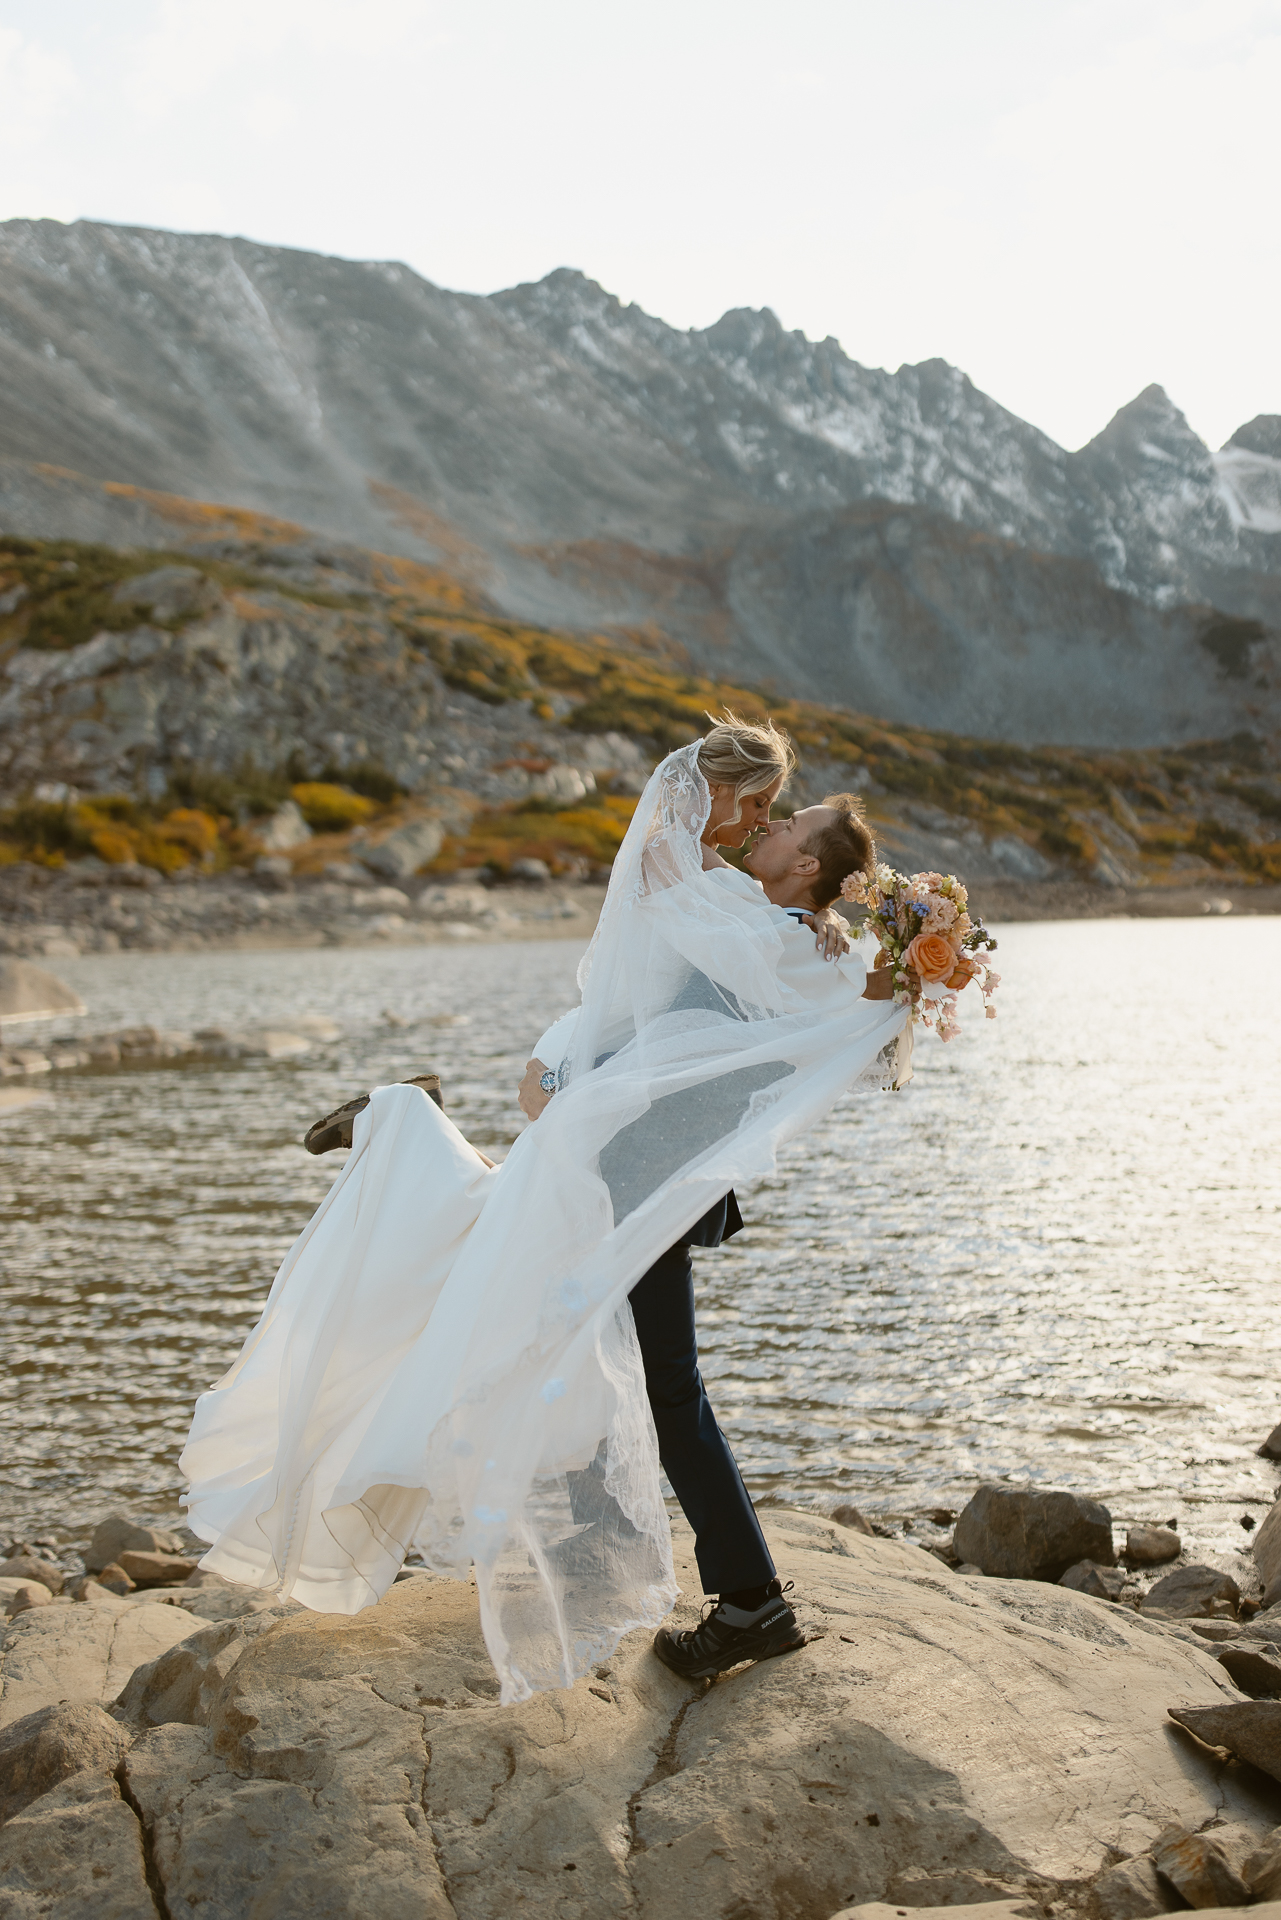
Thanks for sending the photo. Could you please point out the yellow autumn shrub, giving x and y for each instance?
(331, 809)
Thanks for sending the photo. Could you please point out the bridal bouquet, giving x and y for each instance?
(929, 939)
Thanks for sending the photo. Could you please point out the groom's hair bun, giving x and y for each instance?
(844, 846)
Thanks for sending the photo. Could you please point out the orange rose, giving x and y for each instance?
(931, 956)
(965, 972)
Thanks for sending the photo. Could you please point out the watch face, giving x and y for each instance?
(547, 1081)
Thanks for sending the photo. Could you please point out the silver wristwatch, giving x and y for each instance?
(549, 1081)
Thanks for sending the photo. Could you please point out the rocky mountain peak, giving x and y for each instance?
(1150, 427)
(1260, 435)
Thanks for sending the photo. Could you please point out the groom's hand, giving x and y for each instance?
(529, 1095)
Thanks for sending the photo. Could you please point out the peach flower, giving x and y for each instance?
(965, 972)
(930, 955)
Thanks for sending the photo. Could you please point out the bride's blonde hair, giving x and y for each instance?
(747, 755)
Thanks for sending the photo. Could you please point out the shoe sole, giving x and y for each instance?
(334, 1131)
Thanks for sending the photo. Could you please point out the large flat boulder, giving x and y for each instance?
(81, 1655)
(29, 992)
(941, 1738)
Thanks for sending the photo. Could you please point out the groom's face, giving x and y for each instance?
(779, 849)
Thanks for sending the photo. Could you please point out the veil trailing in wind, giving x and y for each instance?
(447, 1360)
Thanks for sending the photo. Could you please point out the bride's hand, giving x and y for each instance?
(530, 1097)
(832, 932)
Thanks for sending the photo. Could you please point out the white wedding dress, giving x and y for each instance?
(447, 1360)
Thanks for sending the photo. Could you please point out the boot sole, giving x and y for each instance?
(335, 1129)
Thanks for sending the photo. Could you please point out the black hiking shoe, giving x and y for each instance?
(335, 1129)
(728, 1636)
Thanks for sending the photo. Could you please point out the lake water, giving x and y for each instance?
(1054, 1258)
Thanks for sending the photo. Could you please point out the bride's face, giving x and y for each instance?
(752, 814)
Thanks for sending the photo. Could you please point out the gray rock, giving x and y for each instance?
(166, 592)
(1262, 1868)
(1102, 1583)
(27, 1566)
(1150, 1546)
(286, 828)
(1271, 1447)
(532, 871)
(1131, 1890)
(563, 784)
(156, 1569)
(81, 1654)
(1249, 1729)
(405, 851)
(1253, 1670)
(1021, 1533)
(45, 1747)
(27, 1594)
(28, 992)
(116, 1535)
(75, 1854)
(1198, 1869)
(1267, 1555)
(848, 1516)
(1195, 1591)
(183, 1684)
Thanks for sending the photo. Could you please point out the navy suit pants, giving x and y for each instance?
(728, 1543)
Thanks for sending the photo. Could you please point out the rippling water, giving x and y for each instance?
(1054, 1258)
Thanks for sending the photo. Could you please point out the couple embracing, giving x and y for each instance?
(489, 1365)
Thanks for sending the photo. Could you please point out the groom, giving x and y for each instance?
(800, 862)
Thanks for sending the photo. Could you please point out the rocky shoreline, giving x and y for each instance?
(991, 1733)
(51, 914)
(60, 913)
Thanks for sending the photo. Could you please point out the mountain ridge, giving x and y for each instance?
(584, 463)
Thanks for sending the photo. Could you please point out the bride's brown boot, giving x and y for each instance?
(335, 1129)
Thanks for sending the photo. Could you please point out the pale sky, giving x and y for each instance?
(1067, 198)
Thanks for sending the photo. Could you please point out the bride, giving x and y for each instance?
(448, 1360)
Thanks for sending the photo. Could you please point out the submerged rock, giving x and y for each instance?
(1021, 1533)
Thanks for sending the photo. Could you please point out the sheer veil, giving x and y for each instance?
(448, 1361)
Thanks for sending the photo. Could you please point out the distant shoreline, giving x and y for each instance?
(58, 919)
